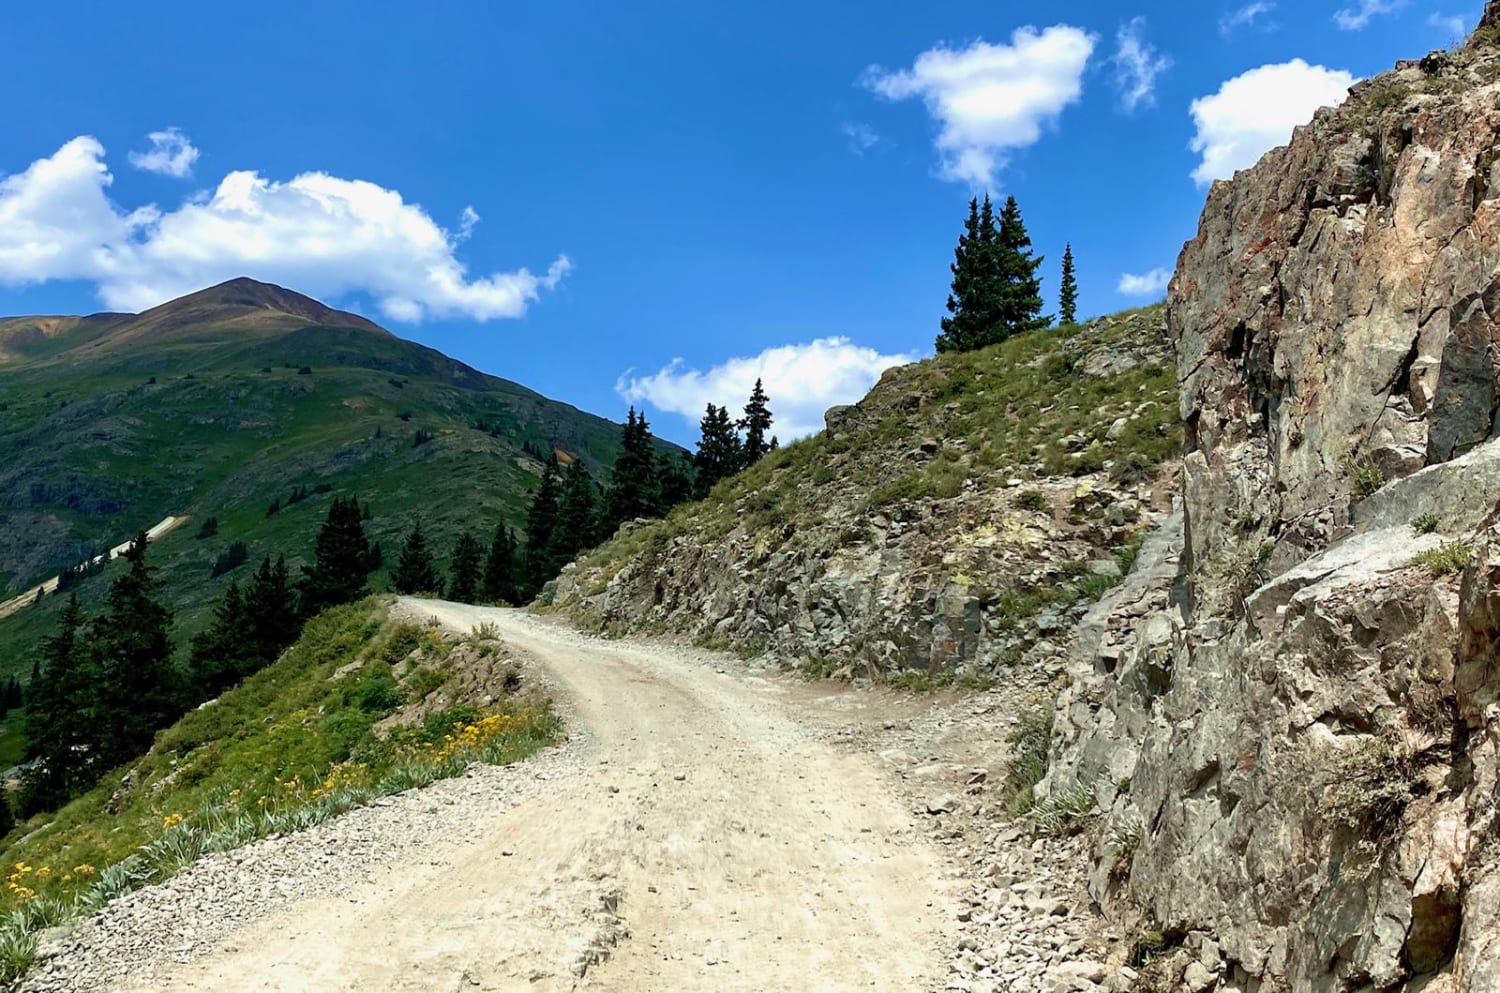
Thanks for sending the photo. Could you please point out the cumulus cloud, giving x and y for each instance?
(317, 233)
(1146, 284)
(803, 381)
(171, 154)
(1137, 64)
(1256, 111)
(1251, 15)
(989, 100)
(1355, 18)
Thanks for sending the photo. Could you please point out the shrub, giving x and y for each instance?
(1372, 783)
(1029, 743)
(1064, 813)
(1424, 523)
(1032, 499)
(1448, 559)
(1365, 476)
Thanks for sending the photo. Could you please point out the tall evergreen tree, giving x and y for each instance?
(136, 691)
(756, 424)
(342, 558)
(250, 629)
(464, 572)
(959, 331)
(499, 583)
(541, 520)
(577, 516)
(634, 490)
(1020, 306)
(1067, 303)
(719, 455)
(415, 572)
(58, 731)
(676, 481)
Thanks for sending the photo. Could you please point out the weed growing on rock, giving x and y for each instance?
(1029, 744)
(1372, 783)
(1448, 559)
(1424, 523)
(1063, 813)
(1365, 477)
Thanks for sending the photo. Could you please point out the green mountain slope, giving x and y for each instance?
(222, 402)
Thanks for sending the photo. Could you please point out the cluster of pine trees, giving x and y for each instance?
(722, 452)
(996, 291)
(102, 687)
(475, 575)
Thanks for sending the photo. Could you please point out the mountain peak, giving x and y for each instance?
(244, 298)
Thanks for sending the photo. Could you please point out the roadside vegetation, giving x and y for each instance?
(300, 741)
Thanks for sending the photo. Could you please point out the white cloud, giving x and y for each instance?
(1356, 17)
(1146, 284)
(861, 137)
(802, 380)
(992, 99)
(1248, 16)
(1256, 111)
(315, 233)
(1137, 64)
(171, 154)
(1455, 26)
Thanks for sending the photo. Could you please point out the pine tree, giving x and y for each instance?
(7, 814)
(756, 423)
(463, 576)
(541, 520)
(959, 331)
(1020, 307)
(676, 481)
(499, 582)
(341, 560)
(214, 656)
(270, 612)
(719, 455)
(136, 689)
(1067, 305)
(634, 490)
(415, 572)
(57, 717)
(577, 516)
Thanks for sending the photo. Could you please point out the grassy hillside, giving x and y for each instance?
(230, 400)
(360, 707)
(930, 526)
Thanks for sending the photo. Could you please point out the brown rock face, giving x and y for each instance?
(1307, 737)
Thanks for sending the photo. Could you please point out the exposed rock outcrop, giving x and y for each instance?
(941, 526)
(1307, 731)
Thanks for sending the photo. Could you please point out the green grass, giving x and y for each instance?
(291, 745)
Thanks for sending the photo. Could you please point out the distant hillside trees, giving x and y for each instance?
(541, 519)
(415, 571)
(634, 490)
(58, 733)
(236, 555)
(499, 582)
(1067, 294)
(464, 570)
(342, 560)
(718, 456)
(996, 292)
(250, 629)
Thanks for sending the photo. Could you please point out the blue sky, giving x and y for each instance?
(650, 202)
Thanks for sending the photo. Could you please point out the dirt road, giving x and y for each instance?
(709, 838)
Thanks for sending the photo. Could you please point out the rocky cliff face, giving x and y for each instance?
(1291, 712)
(944, 526)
